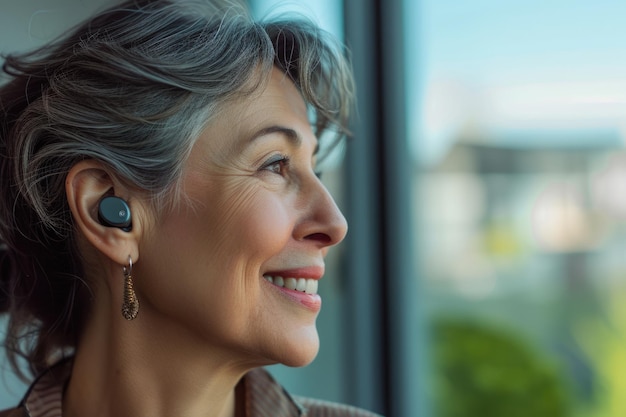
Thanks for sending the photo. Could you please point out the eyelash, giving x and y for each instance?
(283, 162)
(280, 161)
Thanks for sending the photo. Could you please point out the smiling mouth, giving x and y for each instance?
(305, 285)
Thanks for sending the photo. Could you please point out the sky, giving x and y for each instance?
(525, 40)
(516, 73)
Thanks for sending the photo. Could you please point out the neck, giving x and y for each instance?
(140, 369)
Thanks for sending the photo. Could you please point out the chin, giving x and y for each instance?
(300, 360)
(301, 351)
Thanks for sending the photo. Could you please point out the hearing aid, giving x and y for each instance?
(114, 212)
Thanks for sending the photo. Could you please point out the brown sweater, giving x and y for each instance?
(264, 398)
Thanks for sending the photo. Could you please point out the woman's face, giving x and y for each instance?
(254, 209)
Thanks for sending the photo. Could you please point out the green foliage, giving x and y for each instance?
(603, 339)
(487, 372)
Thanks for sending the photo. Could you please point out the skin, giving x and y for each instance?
(207, 315)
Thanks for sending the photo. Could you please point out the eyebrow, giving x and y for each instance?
(289, 133)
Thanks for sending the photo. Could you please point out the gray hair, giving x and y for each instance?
(133, 87)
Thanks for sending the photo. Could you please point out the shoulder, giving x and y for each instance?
(319, 408)
(13, 412)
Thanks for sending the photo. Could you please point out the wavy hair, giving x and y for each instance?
(132, 87)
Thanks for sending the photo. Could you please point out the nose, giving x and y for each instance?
(323, 223)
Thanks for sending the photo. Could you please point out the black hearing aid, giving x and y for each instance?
(114, 212)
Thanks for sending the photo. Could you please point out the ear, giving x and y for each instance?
(86, 184)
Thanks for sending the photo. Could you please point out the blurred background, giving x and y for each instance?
(484, 273)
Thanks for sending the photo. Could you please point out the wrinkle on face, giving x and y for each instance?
(241, 221)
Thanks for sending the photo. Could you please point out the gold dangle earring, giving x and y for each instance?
(130, 305)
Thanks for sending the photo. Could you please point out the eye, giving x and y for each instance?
(318, 174)
(277, 164)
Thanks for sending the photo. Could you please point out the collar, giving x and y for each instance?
(264, 396)
(267, 398)
(44, 398)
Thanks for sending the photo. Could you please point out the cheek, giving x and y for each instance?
(264, 224)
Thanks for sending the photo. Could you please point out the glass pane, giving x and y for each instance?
(517, 112)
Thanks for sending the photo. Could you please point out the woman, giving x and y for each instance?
(164, 226)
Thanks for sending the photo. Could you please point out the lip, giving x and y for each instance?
(310, 272)
(312, 302)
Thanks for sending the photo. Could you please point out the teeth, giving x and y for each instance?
(305, 285)
(311, 286)
(291, 283)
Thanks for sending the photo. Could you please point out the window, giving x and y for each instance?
(515, 117)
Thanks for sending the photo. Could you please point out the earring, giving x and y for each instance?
(130, 306)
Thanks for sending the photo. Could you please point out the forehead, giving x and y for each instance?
(276, 106)
(277, 103)
(278, 99)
